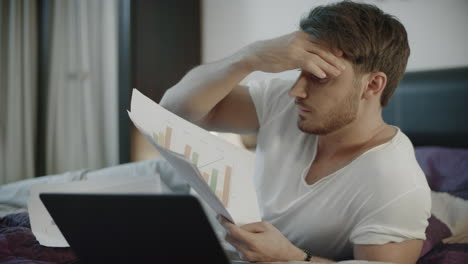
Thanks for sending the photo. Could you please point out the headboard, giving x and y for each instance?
(431, 107)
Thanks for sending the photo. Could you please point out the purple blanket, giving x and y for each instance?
(19, 246)
(446, 171)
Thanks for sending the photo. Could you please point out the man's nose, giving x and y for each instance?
(299, 89)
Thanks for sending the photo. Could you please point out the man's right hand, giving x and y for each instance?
(294, 51)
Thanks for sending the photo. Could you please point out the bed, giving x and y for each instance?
(430, 107)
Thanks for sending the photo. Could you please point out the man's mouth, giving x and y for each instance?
(303, 109)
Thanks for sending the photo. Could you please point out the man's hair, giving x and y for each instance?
(371, 39)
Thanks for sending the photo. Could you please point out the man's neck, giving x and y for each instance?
(355, 136)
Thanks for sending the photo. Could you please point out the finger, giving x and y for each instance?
(238, 233)
(257, 227)
(243, 248)
(222, 219)
(308, 65)
(224, 222)
(235, 231)
(313, 61)
(338, 52)
(328, 68)
(328, 56)
(247, 255)
(240, 246)
(233, 241)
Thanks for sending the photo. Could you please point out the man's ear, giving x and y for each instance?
(376, 82)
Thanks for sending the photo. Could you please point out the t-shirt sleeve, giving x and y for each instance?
(403, 218)
(269, 96)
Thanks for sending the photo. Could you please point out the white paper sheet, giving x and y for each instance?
(220, 172)
(42, 224)
(192, 175)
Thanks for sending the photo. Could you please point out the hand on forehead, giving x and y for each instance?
(322, 61)
(326, 47)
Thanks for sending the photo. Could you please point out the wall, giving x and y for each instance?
(165, 45)
(436, 29)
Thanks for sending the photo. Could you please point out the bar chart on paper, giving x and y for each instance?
(214, 171)
(226, 169)
(213, 177)
(164, 139)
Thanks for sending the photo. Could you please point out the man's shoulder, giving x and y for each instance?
(391, 173)
(395, 154)
(393, 165)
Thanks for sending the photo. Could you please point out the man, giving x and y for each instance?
(334, 181)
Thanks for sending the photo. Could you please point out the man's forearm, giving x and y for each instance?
(313, 259)
(205, 86)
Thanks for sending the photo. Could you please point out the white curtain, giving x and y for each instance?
(18, 89)
(82, 129)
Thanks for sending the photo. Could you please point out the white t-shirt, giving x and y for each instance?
(382, 196)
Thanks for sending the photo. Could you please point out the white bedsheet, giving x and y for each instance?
(452, 211)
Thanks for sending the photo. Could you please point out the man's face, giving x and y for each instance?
(326, 105)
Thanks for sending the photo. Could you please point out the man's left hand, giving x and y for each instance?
(261, 242)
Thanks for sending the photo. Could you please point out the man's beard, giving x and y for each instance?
(340, 116)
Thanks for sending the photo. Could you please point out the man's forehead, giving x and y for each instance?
(330, 47)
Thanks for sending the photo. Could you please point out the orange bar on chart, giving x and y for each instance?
(188, 150)
(205, 176)
(227, 185)
(167, 144)
(161, 139)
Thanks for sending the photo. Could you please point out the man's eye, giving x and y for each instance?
(314, 78)
(324, 80)
(317, 79)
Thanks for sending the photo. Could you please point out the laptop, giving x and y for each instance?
(135, 228)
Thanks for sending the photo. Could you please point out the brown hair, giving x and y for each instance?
(371, 39)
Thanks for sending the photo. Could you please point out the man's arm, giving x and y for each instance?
(263, 242)
(210, 95)
(198, 96)
(406, 252)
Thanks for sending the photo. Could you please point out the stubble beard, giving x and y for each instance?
(337, 118)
